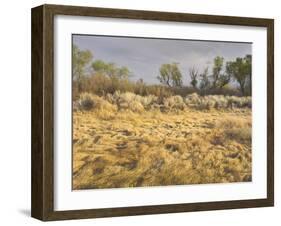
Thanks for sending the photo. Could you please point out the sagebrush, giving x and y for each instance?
(137, 103)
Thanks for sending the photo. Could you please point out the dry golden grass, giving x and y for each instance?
(113, 149)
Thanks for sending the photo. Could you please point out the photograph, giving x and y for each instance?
(159, 112)
(138, 112)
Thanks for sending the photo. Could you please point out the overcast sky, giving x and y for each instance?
(144, 56)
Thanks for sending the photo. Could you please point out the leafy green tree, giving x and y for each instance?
(241, 70)
(170, 75)
(81, 58)
(99, 66)
(123, 72)
(193, 73)
(248, 86)
(219, 79)
(110, 69)
(224, 79)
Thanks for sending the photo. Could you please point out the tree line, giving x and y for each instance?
(110, 77)
(83, 58)
(239, 71)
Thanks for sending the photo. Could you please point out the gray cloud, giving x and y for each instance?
(144, 56)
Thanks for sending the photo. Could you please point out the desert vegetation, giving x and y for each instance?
(128, 133)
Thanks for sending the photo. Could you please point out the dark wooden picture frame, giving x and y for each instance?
(42, 203)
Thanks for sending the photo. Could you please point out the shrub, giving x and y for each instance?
(105, 105)
(192, 100)
(220, 101)
(147, 101)
(175, 102)
(236, 129)
(127, 97)
(205, 103)
(239, 102)
(242, 134)
(217, 101)
(86, 101)
(128, 101)
(210, 101)
(137, 103)
(123, 100)
(110, 98)
(136, 106)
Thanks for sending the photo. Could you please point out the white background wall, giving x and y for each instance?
(15, 112)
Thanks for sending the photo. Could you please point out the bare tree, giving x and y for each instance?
(193, 73)
(204, 80)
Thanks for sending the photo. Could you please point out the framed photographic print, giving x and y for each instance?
(141, 112)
